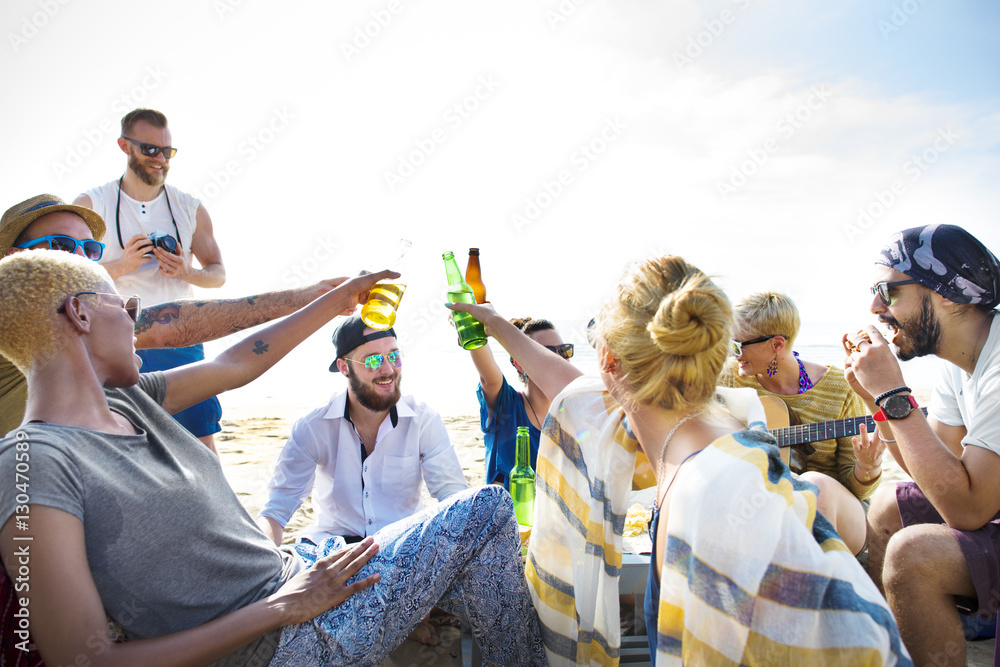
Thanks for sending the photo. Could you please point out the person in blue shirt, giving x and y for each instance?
(502, 408)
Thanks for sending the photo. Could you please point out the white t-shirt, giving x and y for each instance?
(973, 400)
(138, 217)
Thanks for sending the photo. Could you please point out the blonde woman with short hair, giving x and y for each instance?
(846, 472)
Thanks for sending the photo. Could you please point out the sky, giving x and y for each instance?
(774, 144)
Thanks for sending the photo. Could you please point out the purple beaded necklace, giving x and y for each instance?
(805, 384)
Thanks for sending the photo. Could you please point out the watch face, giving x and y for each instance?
(897, 407)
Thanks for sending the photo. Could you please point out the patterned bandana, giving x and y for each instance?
(948, 260)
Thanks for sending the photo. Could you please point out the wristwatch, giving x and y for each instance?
(895, 407)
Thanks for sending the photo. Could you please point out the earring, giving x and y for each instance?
(608, 362)
(772, 366)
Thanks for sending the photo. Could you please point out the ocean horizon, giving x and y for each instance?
(436, 371)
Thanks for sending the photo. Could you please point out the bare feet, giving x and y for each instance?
(424, 633)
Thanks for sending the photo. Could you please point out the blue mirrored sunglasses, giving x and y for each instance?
(373, 362)
(91, 249)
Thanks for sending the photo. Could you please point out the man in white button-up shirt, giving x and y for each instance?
(366, 450)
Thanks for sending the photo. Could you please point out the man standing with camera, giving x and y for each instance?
(154, 230)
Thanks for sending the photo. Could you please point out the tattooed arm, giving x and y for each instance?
(248, 359)
(190, 321)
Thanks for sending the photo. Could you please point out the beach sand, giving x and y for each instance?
(249, 447)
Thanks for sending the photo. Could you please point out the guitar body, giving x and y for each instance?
(776, 414)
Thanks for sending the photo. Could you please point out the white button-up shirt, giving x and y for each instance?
(355, 498)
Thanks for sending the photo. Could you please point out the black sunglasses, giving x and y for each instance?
(738, 346)
(882, 289)
(91, 249)
(565, 350)
(152, 150)
(131, 304)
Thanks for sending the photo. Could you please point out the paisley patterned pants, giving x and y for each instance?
(464, 552)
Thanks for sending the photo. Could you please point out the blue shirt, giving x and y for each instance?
(500, 432)
(651, 604)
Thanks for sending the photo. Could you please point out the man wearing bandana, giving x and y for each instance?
(934, 543)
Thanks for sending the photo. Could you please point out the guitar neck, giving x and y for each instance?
(835, 428)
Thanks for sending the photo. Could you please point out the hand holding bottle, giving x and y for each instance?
(379, 312)
(483, 313)
(471, 334)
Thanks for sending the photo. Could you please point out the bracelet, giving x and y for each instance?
(885, 439)
(868, 472)
(892, 392)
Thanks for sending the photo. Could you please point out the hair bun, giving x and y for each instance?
(690, 320)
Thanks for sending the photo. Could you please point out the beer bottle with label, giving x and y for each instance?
(522, 479)
(471, 334)
(474, 277)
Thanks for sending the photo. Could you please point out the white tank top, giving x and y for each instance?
(136, 217)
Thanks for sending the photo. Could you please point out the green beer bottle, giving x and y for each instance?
(471, 334)
(522, 479)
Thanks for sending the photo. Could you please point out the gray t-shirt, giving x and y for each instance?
(168, 543)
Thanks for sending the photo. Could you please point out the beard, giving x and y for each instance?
(147, 177)
(923, 333)
(367, 396)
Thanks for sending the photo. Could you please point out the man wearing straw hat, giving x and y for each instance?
(934, 543)
(46, 221)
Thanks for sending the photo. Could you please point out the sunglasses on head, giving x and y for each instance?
(152, 150)
(131, 304)
(882, 289)
(565, 350)
(373, 362)
(91, 249)
(738, 346)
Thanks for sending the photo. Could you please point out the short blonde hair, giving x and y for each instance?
(767, 313)
(669, 327)
(35, 283)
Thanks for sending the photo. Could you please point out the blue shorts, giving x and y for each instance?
(200, 419)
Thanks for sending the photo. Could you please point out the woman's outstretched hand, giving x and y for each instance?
(323, 586)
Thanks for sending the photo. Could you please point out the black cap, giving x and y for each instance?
(350, 334)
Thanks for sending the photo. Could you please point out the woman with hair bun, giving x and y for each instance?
(502, 408)
(743, 569)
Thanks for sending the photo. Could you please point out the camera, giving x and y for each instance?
(162, 240)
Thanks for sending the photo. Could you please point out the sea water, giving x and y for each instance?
(438, 372)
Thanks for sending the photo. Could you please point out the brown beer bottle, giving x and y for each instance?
(473, 277)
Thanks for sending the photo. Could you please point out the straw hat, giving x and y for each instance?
(18, 217)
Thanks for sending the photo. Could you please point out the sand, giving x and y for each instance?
(249, 447)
